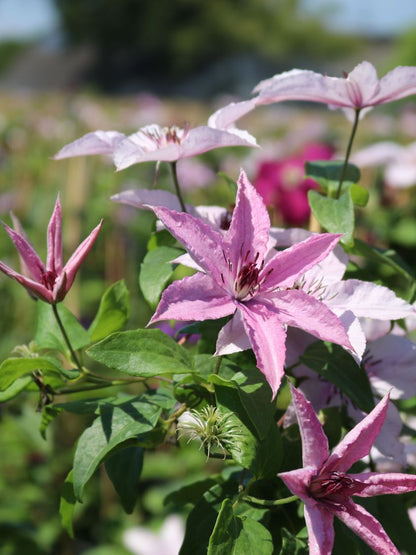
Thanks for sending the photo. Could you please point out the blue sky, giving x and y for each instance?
(31, 18)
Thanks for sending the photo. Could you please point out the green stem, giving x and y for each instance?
(66, 338)
(68, 390)
(218, 364)
(176, 184)
(347, 155)
(270, 502)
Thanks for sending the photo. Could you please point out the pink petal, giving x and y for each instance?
(250, 225)
(391, 364)
(288, 265)
(366, 299)
(193, 298)
(307, 85)
(97, 142)
(202, 139)
(367, 528)
(72, 266)
(267, 337)
(297, 308)
(129, 152)
(233, 338)
(315, 448)
(362, 85)
(204, 244)
(382, 483)
(320, 524)
(148, 199)
(298, 482)
(28, 254)
(398, 83)
(226, 116)
(54, 262)
(357, 443)
(34, 287)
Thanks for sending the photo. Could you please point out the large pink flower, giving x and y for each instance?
(326, 488)
(361, 89)
(51, 282)
(240, 276)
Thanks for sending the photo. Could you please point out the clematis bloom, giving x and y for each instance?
(165, 144)
(52, 282)
(361, 89)
(326, 488)
(241, 276)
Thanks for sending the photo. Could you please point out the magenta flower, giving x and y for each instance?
(50, 283)
(282, 183)
(165, 144)
(241, 276)
(360, 89)
(325, 487)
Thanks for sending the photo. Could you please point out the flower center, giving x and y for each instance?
(48, 279)
(164, 136)
(334, 487)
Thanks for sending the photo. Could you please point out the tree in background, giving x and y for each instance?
(179, 38)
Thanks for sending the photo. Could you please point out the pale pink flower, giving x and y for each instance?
(399, 162)
(326, 488)
(143, 541)
(52, 282)
(361, 89)
(165, 144)
(240, 276)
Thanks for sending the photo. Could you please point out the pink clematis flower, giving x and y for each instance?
(282, 183)
(165, 144)
(52, 282)
(361, 89)
(326, 488)
(240, 276)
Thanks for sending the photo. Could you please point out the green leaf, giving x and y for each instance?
(113, 312)
(382, 256)
(49, 412)
(18, 385)
(155, 272)
(67, 504)
(335, 215)
(359, 195)
(142, 353)
(246, 400)
(13, 368)
(291, 545)
(334, 364)
(190, 493)
(240, 536)
(328, 174)
(49, 335)
(161, 239)
(115, 426)
(124, 468)
(201, 520)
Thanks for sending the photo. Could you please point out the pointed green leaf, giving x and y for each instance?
(335, 215)
(13, 368)
(18, 385)
(124, 468)
(49, 335)
(334, 364)
(359, 195)
(142, 353)
(291, 545)
(67, 504)
(155, 272)
(240, 536)
(115, 426)
(113, 312)
(328, 174)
